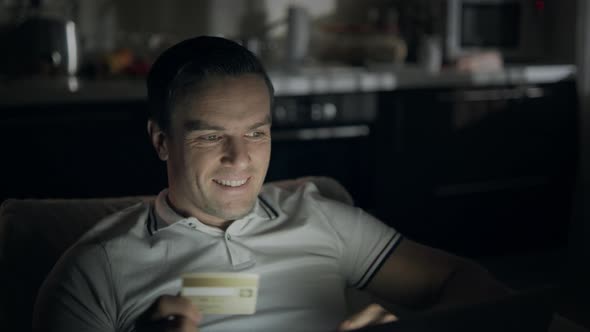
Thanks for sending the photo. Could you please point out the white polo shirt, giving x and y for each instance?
(307, 250)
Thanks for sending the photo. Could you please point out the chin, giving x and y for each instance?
(239, 213)
(235, 212)
(231, 215)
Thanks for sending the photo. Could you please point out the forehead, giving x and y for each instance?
(223, 99)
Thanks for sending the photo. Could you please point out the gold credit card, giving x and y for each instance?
(222, 293)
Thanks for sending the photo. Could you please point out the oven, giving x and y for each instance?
(326, 135)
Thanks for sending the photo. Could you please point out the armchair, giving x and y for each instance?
(35, 232)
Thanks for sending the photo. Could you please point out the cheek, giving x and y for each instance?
(200, 162)
(262, 155)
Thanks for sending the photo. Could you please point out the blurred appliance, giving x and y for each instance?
(326, 135)
(40, 44)
(515, 28)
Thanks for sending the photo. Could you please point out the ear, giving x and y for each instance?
(159, 139)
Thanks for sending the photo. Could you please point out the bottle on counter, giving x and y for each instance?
(429, 54)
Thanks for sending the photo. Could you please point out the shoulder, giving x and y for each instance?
(320, 195)
(115, 231)
(130, 222)
(324, 186)
(89, 258)
(121, 225)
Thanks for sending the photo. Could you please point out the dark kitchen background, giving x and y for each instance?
(461, 124)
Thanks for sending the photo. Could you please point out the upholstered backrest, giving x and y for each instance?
(35, 232)
(33, 235)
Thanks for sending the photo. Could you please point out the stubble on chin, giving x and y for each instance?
(226, 214)
(229, 210)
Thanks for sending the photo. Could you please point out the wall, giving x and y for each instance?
(179, 19)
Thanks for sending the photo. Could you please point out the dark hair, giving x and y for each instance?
(188, 63)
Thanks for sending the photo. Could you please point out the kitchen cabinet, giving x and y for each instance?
(478, 171)
(90, 149)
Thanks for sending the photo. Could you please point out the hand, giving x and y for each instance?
(170, 313)
(374, 314)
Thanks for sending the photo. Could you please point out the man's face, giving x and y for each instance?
(218, 148)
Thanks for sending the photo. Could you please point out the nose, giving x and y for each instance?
(235, 153)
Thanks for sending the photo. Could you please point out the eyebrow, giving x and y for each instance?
(267, 121)
(196, 125)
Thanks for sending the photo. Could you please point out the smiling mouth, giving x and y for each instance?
(231, 183)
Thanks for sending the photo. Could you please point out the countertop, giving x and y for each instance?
(313, 80)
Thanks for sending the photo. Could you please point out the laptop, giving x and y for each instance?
(523, 311)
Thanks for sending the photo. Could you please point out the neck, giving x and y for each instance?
(221, 224)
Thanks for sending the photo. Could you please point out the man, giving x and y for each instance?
(210, 121)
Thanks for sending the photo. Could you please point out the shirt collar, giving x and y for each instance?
(166, 216)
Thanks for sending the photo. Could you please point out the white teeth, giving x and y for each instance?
(228, 183)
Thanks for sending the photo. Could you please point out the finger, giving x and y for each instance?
(370, 315)
(386, 318)
(168, 305)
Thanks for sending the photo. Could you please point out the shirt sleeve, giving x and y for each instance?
(364, 241)
(77, 295)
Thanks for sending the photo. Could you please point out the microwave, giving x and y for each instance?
(515, 28)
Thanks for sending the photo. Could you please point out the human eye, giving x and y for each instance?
(256, 134)
(210, 138)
